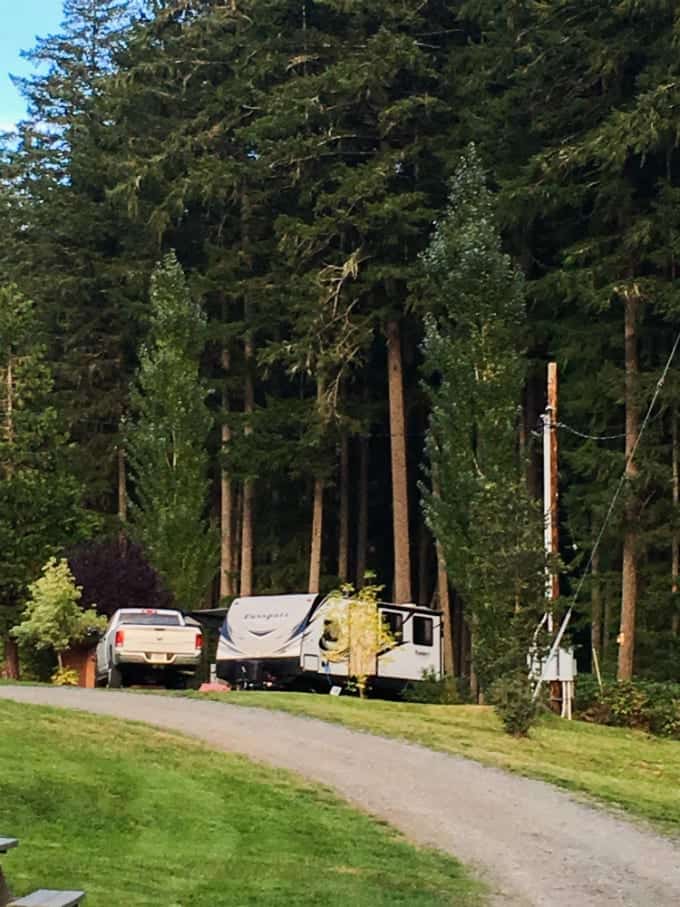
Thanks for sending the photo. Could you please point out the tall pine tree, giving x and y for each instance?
(76, 254)
(40, 500)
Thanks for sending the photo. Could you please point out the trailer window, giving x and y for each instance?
(422, 631)
(394, 623)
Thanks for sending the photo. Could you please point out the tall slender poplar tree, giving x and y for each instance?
(480, 513)
(167, 442)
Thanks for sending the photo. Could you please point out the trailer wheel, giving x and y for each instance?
(115, 679)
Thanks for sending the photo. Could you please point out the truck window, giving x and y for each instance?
(150, 620)
(394, 623)
(422, 631)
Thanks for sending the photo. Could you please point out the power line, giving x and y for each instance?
(610, 511)
(581, 434)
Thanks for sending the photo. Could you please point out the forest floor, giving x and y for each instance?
(138, 816)
(627, 769)
(531, 842)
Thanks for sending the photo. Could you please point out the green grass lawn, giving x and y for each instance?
(624, 768)
(141, 817)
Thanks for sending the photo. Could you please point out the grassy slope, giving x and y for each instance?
(624, 768)
(137, 817)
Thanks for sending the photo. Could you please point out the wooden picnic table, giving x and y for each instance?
(44, 897)
(5, 845)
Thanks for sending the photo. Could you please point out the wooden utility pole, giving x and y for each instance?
(551, 487)
(551, 514)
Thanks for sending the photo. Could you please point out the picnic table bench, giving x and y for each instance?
(5, 845)
(44, 897)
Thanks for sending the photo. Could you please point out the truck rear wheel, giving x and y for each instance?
(174, 680)
(115, 679)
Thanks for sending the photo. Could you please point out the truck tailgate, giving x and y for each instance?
(159, 640)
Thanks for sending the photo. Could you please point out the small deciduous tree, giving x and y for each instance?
(357, 632)
(53, 618)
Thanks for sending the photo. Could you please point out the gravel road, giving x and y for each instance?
(534, 844)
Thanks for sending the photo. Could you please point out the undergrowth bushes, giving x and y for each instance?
(643, 705)
(435, 689)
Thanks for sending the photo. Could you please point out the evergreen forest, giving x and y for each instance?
(280, 281)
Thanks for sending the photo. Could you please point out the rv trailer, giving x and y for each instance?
(287, 640)
(260, 638)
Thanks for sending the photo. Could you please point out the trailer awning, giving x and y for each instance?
(212, 618)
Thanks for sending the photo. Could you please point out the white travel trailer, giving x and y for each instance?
(284, 640)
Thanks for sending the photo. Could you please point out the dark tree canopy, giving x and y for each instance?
(114, 573)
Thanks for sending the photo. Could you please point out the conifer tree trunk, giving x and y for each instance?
(596, 605)
(629, 577)
(317, 508)
(237, 534)
(362, 519)
(11, 669)
(606, 623)
(247, 528)
(458, 627)
(317, 535)
(402, 551)
(226, 499)
(474, 681)
(9, 403)
(122, 484)
(343, 534)
(444, 595)
(675, 553)
(423, 564)
(9, 644)
(248, 484)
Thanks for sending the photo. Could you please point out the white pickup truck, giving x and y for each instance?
(142, 644)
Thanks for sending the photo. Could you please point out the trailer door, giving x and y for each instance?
(417, 644)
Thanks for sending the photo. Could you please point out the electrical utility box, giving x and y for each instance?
(562, 666)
